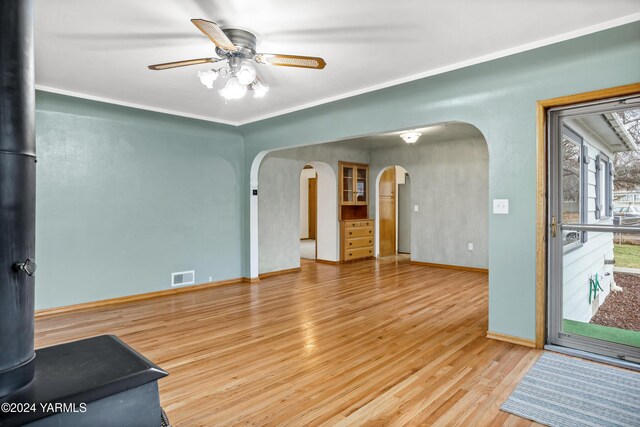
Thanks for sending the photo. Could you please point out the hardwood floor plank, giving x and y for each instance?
(370, 343)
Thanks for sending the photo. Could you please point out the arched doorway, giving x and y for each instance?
(449, 191)
(308, 212)
(393, 211)
(278, 205)
(327, 244)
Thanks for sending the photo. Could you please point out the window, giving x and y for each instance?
(574, 172)
(609, 200)
(604, 187)
(610, 189)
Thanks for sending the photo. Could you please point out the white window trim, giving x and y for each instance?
(604, 208)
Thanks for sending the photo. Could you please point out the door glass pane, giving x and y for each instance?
(600, 298)
(571, 184)
(601, 269)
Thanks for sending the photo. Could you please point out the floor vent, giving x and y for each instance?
(183, 278)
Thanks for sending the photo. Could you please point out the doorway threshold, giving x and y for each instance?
(594, 357)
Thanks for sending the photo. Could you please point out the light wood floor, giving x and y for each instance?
(369, 343)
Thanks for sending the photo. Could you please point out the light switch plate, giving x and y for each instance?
(501, 206)
(416, 208)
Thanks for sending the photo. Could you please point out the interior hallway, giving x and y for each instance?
(308, 249)
(380, 342)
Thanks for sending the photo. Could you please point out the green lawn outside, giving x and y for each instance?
(620, 336)
(627, 255)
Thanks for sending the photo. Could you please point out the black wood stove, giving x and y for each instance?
(99, 381)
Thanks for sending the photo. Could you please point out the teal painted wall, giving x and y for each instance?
(125, 197)
(498, 97)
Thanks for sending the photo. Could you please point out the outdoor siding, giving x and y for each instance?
(579, 265)
(588, 259)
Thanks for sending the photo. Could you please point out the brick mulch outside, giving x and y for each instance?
(621, 309)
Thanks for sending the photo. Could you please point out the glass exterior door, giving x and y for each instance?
(594, 228)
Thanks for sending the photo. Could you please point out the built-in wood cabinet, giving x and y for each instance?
(357, 239)
(354, 197)
(356, 229)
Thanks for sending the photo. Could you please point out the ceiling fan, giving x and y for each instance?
(238, 48)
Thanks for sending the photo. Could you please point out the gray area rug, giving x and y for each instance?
(562, 391)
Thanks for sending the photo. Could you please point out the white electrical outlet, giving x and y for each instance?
(416, 208)
(470, 246)
(501, 206)
(210, 279)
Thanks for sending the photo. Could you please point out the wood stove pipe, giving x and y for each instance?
(17, 194)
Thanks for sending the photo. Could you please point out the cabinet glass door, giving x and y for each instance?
(347, 185)
(361, 185)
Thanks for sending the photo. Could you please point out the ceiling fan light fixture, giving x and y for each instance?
(207, 77)
(233, 89)
(259, 90)
(237, 48)
(246, 75)
(410, 137)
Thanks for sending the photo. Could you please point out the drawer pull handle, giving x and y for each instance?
(350, 243)
(350, 233)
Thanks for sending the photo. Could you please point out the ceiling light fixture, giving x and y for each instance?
(259, 90)
(237, 48)
(233, 89)
(246, 75)
(410, 137)
(207, 77)
(240, 77)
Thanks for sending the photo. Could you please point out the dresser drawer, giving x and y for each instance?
(350, 254)
(358, 242)
(355, 224)
(359, 232)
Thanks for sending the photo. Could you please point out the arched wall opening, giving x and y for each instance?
(308, 212)
(449, 176)
(326, 236)
(449, 172)
(402, 207)
(278, 207)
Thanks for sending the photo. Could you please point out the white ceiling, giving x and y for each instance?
(437, 132)
(100, 49)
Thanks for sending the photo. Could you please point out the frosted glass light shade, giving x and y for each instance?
(410, 137)
(233, 89)
(207, 77)
(259, 90)
(246, 75)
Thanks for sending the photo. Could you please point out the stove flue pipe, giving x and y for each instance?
(17, 194)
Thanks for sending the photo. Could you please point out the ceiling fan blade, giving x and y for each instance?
(290, 60)
(215, 34)
(176, 64)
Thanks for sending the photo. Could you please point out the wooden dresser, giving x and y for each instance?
(357, 239)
